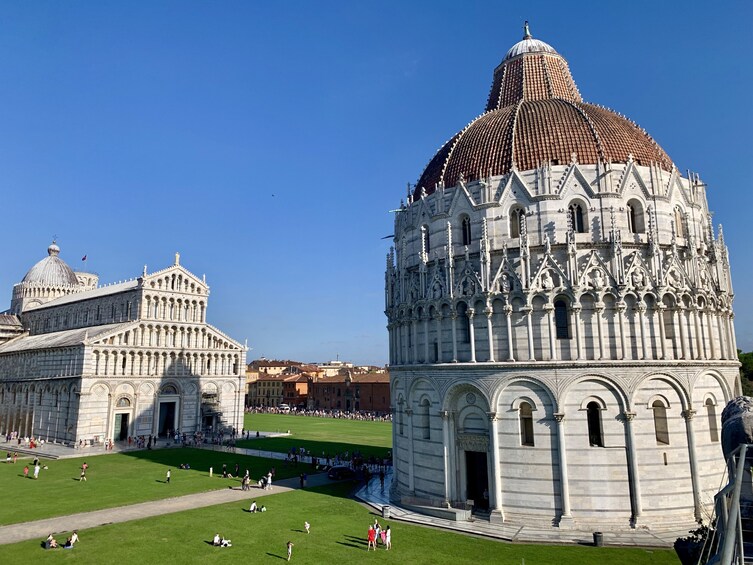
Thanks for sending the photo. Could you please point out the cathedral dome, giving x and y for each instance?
(535, 116)
(52, 270)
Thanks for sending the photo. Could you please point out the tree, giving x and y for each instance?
(746, 371)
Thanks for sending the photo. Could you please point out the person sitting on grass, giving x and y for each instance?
(253, 507)
(216, 541)
(51, 542)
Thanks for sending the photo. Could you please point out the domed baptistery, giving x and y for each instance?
(560, 321)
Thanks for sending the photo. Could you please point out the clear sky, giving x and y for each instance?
(267, 141)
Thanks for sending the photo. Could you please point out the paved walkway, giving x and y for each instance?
(42, 528)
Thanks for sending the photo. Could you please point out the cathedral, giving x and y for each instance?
(82, 363)
(560, 318)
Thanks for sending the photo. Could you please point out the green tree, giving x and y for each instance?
(746, 371)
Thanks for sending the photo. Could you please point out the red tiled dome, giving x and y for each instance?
(534, 116)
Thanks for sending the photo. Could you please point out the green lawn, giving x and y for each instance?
(119, 479)
(338, 531)
(328, 435)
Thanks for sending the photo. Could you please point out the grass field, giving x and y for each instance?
(119, 479)
(338, 531)
(328, 435)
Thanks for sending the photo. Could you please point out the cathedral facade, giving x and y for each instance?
(81, 362)
(560, 317)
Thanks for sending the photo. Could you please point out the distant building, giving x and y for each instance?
(351, 392)
(295, 390)
(82, 362)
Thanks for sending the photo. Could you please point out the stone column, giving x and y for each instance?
(598, 309)
(446, 454)
(632, 457)
(662, 330)
(621, 307)
(562, 452)
(454, 317)
(710, 331)
(641, 310)
(699, 345)
(549, 309)
(490, 332)
(694, 479)
(720, 334)
(411, 477)
(426, 338)
(508, 322)
(496, 490)
(414, 338)
(472, 332)
(681, 324)
(578, 332)
(440, 356)
(527, 310)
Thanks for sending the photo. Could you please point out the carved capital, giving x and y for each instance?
(492, 416)
(549, 307)
(559, 416)
(629, 416)
(507, 309)
(409, 412)
(445, 414)
(489, 312)
(688, 414)
(471, 312)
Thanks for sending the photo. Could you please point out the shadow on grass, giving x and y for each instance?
(275, 555)
(353, 545)
(312, 447)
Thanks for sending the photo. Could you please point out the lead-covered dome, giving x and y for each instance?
(535, 116)
(52, 270)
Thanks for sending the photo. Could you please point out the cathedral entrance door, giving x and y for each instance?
(120, 432)
(477, 479)
(166, 418)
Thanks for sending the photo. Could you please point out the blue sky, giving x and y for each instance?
(266, 141)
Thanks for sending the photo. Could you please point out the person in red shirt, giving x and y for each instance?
(371, 538)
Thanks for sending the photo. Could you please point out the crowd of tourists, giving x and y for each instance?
(340, 414)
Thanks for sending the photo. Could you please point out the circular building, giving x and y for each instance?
(559, 315)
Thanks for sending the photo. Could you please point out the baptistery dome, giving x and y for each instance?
(535, 115)
(559, 308)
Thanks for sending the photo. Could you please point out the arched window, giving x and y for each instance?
(660, 422)
(425, 418)
(577, 218)
(465, 230)
(713, 422)
(636, 221)
(426, 246)
(400, 416)
(124, 403)
(679, 222)
(516, 215)
(595, 434)
(561, 320)
(525, 412)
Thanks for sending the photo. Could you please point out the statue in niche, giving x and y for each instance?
(546, 281)
(436, 290)
(547, 245)
(469, 289)
(504, 283)
(673, 279)
(704, 277)
(597, 279)
(638, 279)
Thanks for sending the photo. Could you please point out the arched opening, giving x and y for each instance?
(577, 217)
(525, 412)
(561, 320)
(425, 243)
(635, 217)
(516, 217)
(595, 433)
(713, 422)
(679, 222)
(465, 230)
(661, 427)
(425, 422)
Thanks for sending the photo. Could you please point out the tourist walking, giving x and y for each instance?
(307, 526)
(167, 477)
(371, 537)
(290, 549)
(388, 538)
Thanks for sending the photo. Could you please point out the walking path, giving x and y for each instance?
(372, 494)
(42, 528)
